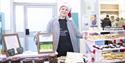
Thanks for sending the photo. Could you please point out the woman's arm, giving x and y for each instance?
(49, 26)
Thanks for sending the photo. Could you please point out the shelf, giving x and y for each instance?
(109, 9)
(105, 37)
(111, 49)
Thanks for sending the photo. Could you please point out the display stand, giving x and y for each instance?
(108, 47)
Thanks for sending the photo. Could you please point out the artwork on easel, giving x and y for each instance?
(45, 43)
(12, 44)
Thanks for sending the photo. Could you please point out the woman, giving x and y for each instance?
(64, 32)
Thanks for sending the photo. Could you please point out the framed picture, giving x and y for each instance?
(45, 43)
(11, 44)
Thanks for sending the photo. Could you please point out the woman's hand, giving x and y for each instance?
(85, 35)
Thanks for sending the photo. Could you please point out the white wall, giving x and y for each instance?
(88, 8)
(109, 1)
(122, 8)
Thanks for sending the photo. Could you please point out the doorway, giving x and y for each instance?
(30, 18)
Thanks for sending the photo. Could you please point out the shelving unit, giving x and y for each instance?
(104, 52)
(111, 9)
(114, 54)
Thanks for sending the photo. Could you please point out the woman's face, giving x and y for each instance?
(64, 11)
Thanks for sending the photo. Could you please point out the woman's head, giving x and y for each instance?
(64, 10)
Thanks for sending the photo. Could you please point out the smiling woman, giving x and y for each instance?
(64, 32)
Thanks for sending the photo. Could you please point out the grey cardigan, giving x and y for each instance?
(53, 27)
